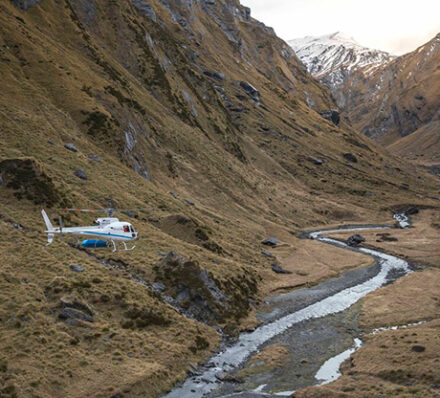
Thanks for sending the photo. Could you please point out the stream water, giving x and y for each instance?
(209, 380)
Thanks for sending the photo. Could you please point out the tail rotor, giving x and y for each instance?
(49, 228)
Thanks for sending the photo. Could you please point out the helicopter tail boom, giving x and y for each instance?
(50, 229)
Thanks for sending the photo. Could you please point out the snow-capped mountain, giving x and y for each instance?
(333, 58)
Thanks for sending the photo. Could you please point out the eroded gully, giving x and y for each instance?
(316, 328)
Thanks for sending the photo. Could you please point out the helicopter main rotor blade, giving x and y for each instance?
(110, 211)
(85, 210)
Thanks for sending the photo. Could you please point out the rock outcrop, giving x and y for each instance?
(383, 96)
(198, 294)
(27, 178)
(209, 174)
(25, 4)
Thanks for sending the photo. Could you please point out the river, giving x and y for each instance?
(302, 318)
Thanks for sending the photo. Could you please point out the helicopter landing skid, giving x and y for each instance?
(126, 249)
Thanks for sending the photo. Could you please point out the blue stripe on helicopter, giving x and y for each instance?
(106, 235)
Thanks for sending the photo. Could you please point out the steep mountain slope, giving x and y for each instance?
(421, 147)
(333, 58)
(384, 97)
(201, 117)
(398, 98)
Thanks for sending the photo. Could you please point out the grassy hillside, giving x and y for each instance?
(197, 115)
(421, 147)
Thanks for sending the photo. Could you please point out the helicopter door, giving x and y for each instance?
(133, 232)
(126, 229)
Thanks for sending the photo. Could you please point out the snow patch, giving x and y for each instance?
(334, 57)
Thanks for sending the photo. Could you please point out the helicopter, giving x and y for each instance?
(106, 230)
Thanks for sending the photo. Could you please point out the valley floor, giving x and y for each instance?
(402, 362)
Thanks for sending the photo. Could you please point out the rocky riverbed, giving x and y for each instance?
(300, 331)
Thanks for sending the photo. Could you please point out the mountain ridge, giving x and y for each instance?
(387, 97)
(199, 117)
(334, 57)
(399, 97)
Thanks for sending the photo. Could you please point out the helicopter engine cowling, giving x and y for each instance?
(106, 220)
(93, 243)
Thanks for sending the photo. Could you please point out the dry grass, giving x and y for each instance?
(386, 365)
(417, 243)
(60, 72)
(422, 146)
(268, 358)
(310, 263)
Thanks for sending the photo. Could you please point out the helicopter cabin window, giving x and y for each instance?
(126, 229)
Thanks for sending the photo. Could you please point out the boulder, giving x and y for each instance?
(250, 90)
(279, 270)
(81, 174)
(435, 170)
(273, 242)
(73, 303)
(71, 147)
(350, 157)
(71, 313)
(76, 268)
(158, 287)
(214, 75)
(25, 4)
(225, 377)
(418, 348)
(316, 161)
(266, 254)
(94, 158)
(221, 376)
(355, 240)
(331, 115)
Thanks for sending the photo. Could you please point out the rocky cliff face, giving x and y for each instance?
(385, 97)
(199, 118)
(398, 98)
(333, 58)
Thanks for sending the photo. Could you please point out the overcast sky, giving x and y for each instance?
(396, 26)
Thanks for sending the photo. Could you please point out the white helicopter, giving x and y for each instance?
(105, 231)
